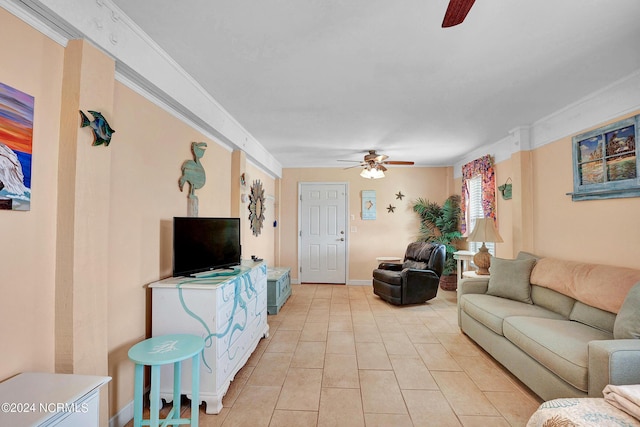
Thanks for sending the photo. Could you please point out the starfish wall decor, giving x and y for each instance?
(391, 209)
(399, 195)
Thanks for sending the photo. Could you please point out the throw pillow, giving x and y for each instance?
(510, 279)
(527, 255)
(627, 324)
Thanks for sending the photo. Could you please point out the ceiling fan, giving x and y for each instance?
(456, 12)
(377, 161)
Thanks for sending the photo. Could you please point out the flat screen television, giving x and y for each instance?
(204, 244)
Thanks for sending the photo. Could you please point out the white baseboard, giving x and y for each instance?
(350, 282)
(123, 416)
(360, 282)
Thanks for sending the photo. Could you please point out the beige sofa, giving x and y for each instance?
(565, 329)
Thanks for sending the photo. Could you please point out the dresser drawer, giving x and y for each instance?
(223, 315)
(227, 293)
(259, 305)
(234, 328)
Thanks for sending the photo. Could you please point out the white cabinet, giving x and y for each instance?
(44, 399)
(229, 310)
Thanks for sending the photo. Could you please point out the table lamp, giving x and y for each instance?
(484, 231)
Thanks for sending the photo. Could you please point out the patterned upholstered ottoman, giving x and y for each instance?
(582, 412)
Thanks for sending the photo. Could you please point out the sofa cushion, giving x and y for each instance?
(552, 300)
(491, 311)
(510, 279)
(388, 276)
(627, 324)
(559, 345)
(601, 286)
(593, 317)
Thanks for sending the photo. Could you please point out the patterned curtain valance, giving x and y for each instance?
(482, 167)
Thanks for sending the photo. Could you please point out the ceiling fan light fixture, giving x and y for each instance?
(372, 173)
(374, 164)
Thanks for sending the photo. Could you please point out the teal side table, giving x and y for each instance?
(278, 288)
(163, 350)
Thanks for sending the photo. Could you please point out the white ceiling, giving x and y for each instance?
(315, 81)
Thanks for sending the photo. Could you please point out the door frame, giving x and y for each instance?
(346, 225)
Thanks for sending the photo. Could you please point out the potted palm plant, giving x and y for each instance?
(441, 224)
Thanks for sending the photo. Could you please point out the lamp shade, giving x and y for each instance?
(484, 231)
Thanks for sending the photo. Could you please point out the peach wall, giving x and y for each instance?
(145, 156)
(505, 211)
(147, 152)
(388, 235)
(262, 245)
(600, 231)
(33, 64)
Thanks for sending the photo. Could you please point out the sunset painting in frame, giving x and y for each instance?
(16, 140)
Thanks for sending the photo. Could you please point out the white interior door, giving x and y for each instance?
(323, 235)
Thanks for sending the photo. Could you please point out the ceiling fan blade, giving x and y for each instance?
(352, 161)
(354, 166)
(397, 162)
(381, 168)
(456, 12)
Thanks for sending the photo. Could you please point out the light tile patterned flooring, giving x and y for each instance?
(340, 356)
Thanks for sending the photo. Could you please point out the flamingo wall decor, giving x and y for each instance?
(193, 173)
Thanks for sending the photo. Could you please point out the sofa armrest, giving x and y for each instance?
(473, 285)
(413, 276)
(390, 266)
(418, 285)
(614, 362)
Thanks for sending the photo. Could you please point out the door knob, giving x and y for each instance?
(342, 239)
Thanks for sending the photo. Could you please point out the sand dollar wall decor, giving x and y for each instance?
(256, 207)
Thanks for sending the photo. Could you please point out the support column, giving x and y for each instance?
(83, 217)
(238, 167)
(276, 216)
(522, 190)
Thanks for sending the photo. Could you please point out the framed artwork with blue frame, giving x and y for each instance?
(368, 204)
(606, 162)
(16, 142)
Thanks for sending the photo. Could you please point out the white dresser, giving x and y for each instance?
(228, 310)
(44, 399)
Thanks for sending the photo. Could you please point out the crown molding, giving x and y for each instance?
(615, 100)
(612, 101)
(142, 65)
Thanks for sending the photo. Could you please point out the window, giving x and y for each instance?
(478, 196)
(605, 162)
(475, 211)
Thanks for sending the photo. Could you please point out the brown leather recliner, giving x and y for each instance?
(416, 279)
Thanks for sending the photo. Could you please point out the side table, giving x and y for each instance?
(460, 257)
(163, 350)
